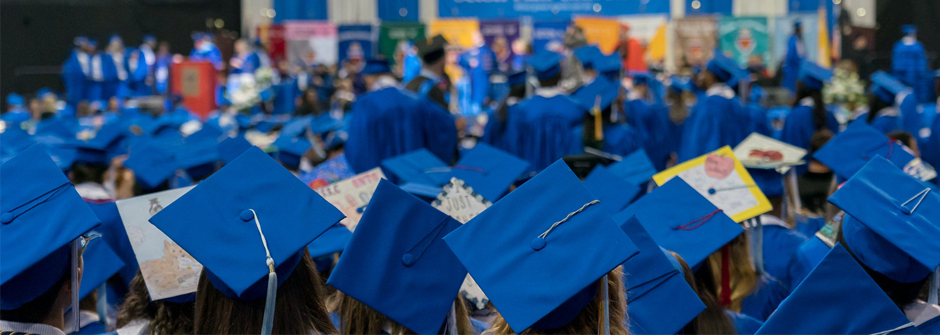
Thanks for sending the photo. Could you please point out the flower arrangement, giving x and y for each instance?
(845, 89)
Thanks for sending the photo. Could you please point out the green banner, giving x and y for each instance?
(745, 37)
(392, 34)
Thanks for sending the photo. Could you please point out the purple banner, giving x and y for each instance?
(499, 36)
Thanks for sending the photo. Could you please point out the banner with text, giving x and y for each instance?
(605, 32)
(310, 42)
(357, 39)
(457, 32)
(547, 9)
(745, 37)
(548, 34)
(393, 37)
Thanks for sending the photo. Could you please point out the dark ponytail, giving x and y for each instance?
(875, 105)
(819, 107)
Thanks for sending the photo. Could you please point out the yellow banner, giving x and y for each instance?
(603, 32)
(457, 32)
(657, 46)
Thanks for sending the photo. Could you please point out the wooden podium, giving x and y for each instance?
(196, 83)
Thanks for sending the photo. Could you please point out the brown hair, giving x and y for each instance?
(357, 318)
(713, 319)
(744, 278)
(165, 317)
(589, 321)
(299, 308)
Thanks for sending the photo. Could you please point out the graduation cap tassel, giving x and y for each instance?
(724, 299)
(598, 121)
(267, 323)
(74, 314)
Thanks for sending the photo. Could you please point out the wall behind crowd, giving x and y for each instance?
(37, 35)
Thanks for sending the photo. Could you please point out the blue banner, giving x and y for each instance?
(300, 10)
(359, 38)
(548, 9)
(545, 33)
(397, 10)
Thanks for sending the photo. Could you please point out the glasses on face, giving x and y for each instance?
(84, 239)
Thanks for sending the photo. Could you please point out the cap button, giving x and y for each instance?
(537, 244)
(247, 215)
(711, 191)
(6, 218)
(408, 260)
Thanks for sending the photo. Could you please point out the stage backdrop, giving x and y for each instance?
(310, 42)
(548, 34)
(359, 36)
(548, 9)
(783, 29)
(742, 37)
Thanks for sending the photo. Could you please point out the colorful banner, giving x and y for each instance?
(394, 37)
(548, 35)
(277, 47)
(359, 38)
(499, 36)
(783, 29)
(650, 32)
(547, 9)
(745, 37)
(694, 42)
(601, 31)
(457, 32)
(311, 42)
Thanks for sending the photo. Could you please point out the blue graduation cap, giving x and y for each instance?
(419, 166)
(695, 232)
(290, 151)
(41, 214)
(840, 298)
(814, 76)
(413, 277)
(635, 168)
(376, 66)
(516, 79)
(679, 84)
(909, 29)
(114, 37)
(588, 54)
(757, 94)
(797, 24)
(248, 233)
(615, 193)
(886, 87)
(90, 152)
(333, 240)
(233, 147)
(610, 66)
(15, 99)
(541, 234)
(489, 171)
(149, 38)
(892, 222)
(849, 150)
(601, 87)
(722, 67)
(152, 164)
(101, 262)
(198, 157)
(641, 77)
(42, 92)
(15, 140)
(660, 300)
(198, 36)
(91, 42)
(546, 64)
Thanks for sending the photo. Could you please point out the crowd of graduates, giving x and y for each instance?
(579, 238)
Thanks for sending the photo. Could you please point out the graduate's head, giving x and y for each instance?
(907, 139)
(356, 317)
(268, 220)
(242, 47)
(433, 51)
(547, 67)
(798, 28)
(889, 226)
(713, 319)
(375, 68)
(165, 317)
(55, 299)
(909, 30)
(743, 278)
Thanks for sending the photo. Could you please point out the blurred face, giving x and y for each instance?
(113, 104)
(241, 47)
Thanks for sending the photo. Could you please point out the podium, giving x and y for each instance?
(196, 83)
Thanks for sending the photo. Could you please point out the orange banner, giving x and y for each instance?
(601, 31)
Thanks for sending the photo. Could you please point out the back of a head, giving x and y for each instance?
(299, 308)
(713, 319)
(164, 317)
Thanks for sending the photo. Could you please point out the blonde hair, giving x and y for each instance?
(357, 318)
(744, 277)
(589, 320)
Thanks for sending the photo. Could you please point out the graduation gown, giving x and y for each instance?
(390, 122)
(208, 53)
(543, 119)
(286, 93)
(73, 76)
(799, 127)
(908, 61)
(779, 245)
(791, 64)
(619, 139)
(650, 122)
(715, 121)
(161, 73)
(766, 297)
(435, 88)
(886, 121)
(931, 327)
(758, 119)
(138, 73)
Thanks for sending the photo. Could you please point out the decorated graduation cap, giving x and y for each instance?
(100, 263)
(231, 223)
(542, 233)
(635, 168)
(660, 300)
(602, 87)
(840, 298)
(419, 166)
(614, 192)
(722, 67)
(588, 54)
(886, 87)
(547, 64)
(431, 49)
(814, 76)
(40, 216)
(695, 232)
(413, 277)
(376, 66)
(851, 149)
(488, 170)
(892, 222)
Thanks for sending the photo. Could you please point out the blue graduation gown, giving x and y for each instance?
(390, 122)
(758, 119)
(479, 326)
(286, 93)
(799, 127)
(931, 327)
(779, 245)
(619, 139)
(886, 121)
(112, 82)
(791, 64)
(250, 63)
(94, 328)
(138, 70)
(15, 117)
(766, 297)
(911, 121)
(930, 150)
(161, 73)
(744, 324)
(74, 79)
(908, 62)
(716, 121)
(542, 121)
(807, 256)
(650, 124)
(209, 54)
